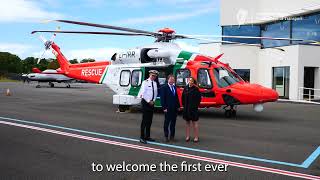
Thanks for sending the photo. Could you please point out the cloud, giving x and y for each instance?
(193, 4)
(167, 17)
(102, 54)
(43, 54)
(15, 48)
(24, 11)
(99, 54)
(95, 53)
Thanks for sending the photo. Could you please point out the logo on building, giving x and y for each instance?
(242, 16)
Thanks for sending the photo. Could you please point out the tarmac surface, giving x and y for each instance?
(57, 133)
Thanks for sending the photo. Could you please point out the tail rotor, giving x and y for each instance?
(47, 44)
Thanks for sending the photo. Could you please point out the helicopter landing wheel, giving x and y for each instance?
(123, 108)
(68, 86)
(231, 112)
(51, 84)
(38, 86)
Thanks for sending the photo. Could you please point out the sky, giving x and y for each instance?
(18, 18)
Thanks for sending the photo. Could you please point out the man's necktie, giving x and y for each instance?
(172, 89)
(152, 91)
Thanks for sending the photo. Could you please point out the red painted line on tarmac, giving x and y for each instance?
(171, 153)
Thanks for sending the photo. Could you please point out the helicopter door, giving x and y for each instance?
(161, 79)
(162, 76)
(206, 87)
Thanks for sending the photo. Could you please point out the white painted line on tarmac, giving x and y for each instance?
(166, 152)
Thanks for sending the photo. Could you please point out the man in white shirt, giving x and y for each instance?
(148, 93)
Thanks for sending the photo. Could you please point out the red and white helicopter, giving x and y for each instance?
(219, 84)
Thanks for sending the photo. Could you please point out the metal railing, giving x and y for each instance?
(311, 94)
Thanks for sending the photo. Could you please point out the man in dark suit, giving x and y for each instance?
(171, 105)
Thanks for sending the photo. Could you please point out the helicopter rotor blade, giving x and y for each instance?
(237, 43)
(55, 34)
(186, 36)
(108, 27)
(164, 36)
(94, 32)
(210, 41)
(39, 58)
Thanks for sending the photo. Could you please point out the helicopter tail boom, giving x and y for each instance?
(91, 72)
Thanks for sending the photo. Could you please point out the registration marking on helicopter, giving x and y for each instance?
(156, 150)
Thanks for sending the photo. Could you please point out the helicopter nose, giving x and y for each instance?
(269, 95)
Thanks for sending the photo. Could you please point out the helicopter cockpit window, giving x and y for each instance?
(204, 80)
(224, 77)
(136, 78)
(125, 78)
(182, 77)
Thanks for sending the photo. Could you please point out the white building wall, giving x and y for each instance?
(242, 57)
(269, 58)
(317, 82)
(258, 11)
(239, 57)
(309, 56)
(261, 61)
(210, 49)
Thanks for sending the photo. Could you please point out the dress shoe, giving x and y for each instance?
(150, 139)
(166, 139)
(143, 141)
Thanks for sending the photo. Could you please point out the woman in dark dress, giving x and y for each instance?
(191, 99)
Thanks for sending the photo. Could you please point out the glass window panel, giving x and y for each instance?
(182, 77)
(136, 78)
(281, 78)
(224, 77)
(244, 74)
(204, 80)
(306, 28)
(245, 30)
(162, 77)
(276, 30)
(125, 78)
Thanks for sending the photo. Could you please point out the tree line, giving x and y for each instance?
(11, 63)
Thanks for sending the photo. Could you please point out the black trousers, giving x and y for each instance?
(170, 123)
(147, 115)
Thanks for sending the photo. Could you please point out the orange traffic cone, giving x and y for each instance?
(8, 93)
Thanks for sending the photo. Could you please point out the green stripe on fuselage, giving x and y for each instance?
(134, 91)
(104, 75)
(185, 55)
(182, 57)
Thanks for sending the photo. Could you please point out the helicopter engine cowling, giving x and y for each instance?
(165, 54)
(159, 53)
